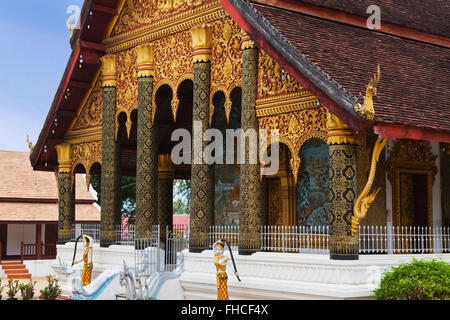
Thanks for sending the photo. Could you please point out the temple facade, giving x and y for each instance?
(363, 124)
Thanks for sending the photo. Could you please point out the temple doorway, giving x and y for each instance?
(414, 203)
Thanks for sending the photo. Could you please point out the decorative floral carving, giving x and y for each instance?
(226, 64)
(138, 12)
(173, 61)
(272, 80)
(126, 90)
(86, 154)
(295, 129)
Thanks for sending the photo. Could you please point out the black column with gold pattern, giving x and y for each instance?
(147, 147)
(66, 193)
(165, 193)
(252, 200)
(202, 175)
(110, 175)
(342, 189)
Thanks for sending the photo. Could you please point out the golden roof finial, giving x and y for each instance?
(71, 27)
(30, 144)
(366, 110)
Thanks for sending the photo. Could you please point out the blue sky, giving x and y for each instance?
(34, 49)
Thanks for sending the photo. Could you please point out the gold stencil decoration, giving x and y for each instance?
(126, 90)
(91, 115)
(125, 21)
(295, 129)
(86, 154)
(173, 62)
(226, 64)
(273, 80)
(145, 11)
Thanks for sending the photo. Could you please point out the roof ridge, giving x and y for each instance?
(298, 55)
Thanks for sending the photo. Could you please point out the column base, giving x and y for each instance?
(341, 257)
(246, 252)
(106, 244)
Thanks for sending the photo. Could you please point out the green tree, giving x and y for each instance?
(181, 194)
(128, 195)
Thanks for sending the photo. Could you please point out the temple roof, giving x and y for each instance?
(425, 15)
(324, 44)
(335, 57)
(27, 195)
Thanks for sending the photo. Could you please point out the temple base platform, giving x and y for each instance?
(267, 275)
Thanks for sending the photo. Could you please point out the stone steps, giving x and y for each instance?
(15, 270)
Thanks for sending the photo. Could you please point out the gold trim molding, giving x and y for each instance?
(201, 44)
(338, 131)
(145, 60)
(109, 70)
(64, 154)
(174, 24)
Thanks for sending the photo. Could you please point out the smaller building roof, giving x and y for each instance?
(27, 195)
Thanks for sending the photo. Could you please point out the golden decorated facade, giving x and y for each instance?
(170, 29)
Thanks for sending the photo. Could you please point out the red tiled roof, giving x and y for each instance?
(425, 15)
(18, 180)
(415, 76)
(27, 195)
(30, 212)
(339, 59)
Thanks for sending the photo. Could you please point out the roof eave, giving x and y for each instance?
(329, 92)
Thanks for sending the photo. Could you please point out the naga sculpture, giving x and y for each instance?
(365, 200)
(95, 288)
(366, 110)
(139, 288)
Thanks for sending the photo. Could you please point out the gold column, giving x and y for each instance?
(166, 174)
(202, 175)
(342, 189)
(110, 175)
(147, 147)
(66, 193)
(252, 198)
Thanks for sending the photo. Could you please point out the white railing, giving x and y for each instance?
(315, 239)
(125, 234)
(304, 239)
(405, 239)
(147, 253)
(229, 232)
(176, 241)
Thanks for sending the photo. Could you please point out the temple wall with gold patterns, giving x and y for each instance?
(282, 102)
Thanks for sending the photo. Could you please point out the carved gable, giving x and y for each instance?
(91, 115)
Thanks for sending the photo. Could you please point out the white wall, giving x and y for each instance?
(16, 234)
(437, 206)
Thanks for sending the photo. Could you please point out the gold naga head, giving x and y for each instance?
(366, 110)
(373, 83)
(30, 144)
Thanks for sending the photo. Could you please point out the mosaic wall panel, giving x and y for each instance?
(313, 205)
